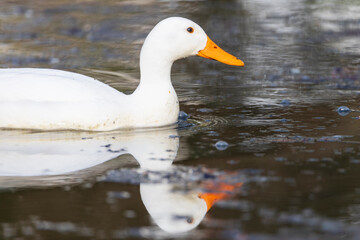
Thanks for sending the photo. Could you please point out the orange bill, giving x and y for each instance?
(213, 51)
(222, 191)
(211, 198)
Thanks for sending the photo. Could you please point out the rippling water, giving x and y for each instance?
(290, 165)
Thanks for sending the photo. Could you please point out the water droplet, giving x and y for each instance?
(183, 116)
(305, 78)
(343, 111)
(295, 71)
(280, 159)
(285, 103)
(221, 145)
(205, 110)
(213, 133)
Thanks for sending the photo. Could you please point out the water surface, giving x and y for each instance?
(289, 170)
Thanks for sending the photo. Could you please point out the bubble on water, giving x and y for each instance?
(280, 159)
(183, 116)
(305, 78)
(295, 71)
(343, 110)
(285, 103)
(232, 162)
(221, 145)
(205, 110)
(213, 133)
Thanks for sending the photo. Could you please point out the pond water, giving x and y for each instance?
(263, 154)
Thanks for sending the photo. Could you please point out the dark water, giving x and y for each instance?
(289, 168)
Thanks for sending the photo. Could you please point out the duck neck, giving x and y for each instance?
(155, 101)
(154, 69)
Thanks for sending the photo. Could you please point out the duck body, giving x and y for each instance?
(50, 99)
(46, 99)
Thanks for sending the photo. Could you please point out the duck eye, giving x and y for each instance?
(190, 29)
(190, 220)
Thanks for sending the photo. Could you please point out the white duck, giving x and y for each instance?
(49, 99)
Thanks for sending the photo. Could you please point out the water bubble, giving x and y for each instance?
(213, 133)
(305, 78)
(205, 110)
(183, 116)
(343, 110)
(285, 103)
(295, 71)
(232, 162)
(221, 145)
(280, 159)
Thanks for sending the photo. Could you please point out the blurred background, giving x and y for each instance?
(276, 141)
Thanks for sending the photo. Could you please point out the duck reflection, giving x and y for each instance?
(175, 211)
(41, 159)
(58, 153)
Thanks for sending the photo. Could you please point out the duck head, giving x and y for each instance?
(175, 38)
